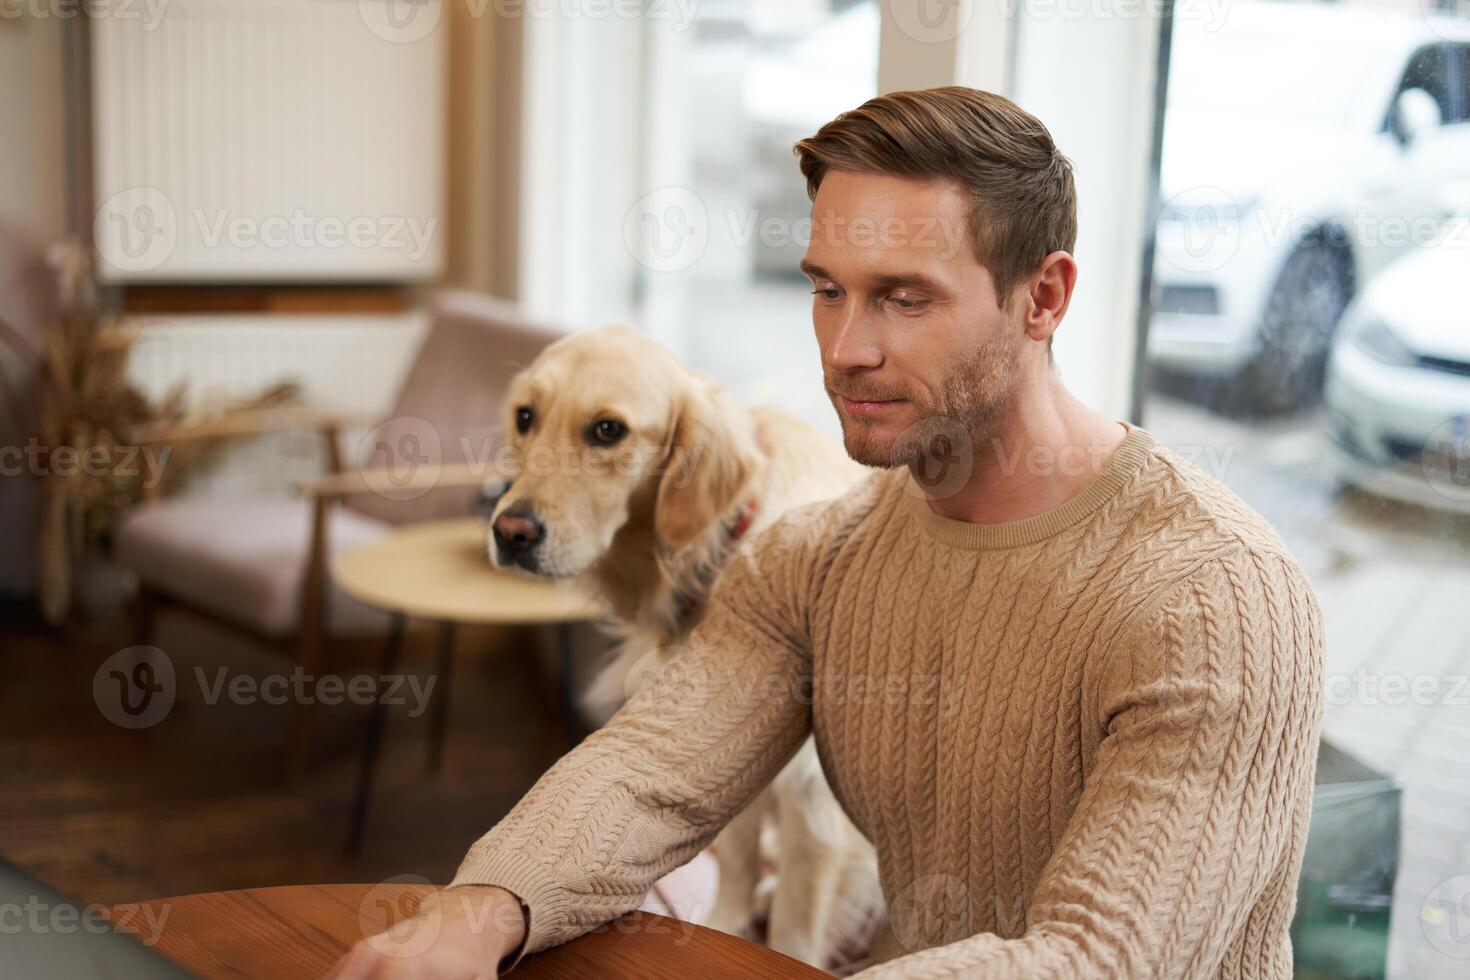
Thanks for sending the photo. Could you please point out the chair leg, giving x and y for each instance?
(308, 642)
(572, 728)
(144, 608)
(377, 722)
(442, 695)
(303, 724)
(303, 712)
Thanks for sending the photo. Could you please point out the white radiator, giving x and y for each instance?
(351, 364)
(270, 140)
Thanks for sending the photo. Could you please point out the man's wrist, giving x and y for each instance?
(495, 916)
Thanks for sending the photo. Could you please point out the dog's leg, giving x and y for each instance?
(737, 849)
(809, 873)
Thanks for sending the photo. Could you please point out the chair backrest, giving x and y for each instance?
(450, 406)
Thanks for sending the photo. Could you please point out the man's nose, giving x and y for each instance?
(853, 346)
(517, 533)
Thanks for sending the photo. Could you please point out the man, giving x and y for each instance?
(1067, 684)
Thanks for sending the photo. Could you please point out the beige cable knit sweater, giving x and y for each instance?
(1082, 743)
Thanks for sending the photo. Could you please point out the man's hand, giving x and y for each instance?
(457, 934)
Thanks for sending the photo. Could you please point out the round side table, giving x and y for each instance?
(439, 570)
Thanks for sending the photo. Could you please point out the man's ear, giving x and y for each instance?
(1049, 295)
(712, 461)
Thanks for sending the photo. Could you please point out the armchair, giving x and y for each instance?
(259, 565)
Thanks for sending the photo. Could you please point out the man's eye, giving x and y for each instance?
(827, 292)
(906, 302)
(606, 432)
(525, 418)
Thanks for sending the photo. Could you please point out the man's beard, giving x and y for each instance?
(968, 408)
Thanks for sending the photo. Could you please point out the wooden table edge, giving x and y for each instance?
(326, 925)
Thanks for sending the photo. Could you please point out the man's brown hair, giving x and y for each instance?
(1023, 203)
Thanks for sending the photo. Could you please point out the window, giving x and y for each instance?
(762, 76)
(1309, 345)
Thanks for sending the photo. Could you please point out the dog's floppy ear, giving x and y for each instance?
(712, 461)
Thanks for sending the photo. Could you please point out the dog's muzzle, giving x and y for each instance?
(517, 537)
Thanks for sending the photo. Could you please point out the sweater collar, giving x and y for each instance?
(1125, 461)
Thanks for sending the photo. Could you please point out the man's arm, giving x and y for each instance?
(1197, 798)
(655, 785)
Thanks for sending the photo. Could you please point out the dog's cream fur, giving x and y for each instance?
(646, 522)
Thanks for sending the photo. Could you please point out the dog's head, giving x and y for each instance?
(607, 429)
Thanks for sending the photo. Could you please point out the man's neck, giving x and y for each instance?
(1046, 448)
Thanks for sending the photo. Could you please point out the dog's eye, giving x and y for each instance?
(606, 432)
(524, 419)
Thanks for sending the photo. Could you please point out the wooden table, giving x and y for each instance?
(440, 570)
(301, 930)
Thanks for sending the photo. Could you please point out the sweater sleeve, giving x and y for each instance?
(1208, 708)
(654, 786)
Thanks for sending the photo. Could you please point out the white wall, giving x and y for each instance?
(1087, 70)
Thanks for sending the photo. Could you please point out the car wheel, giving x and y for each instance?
(1286, 371)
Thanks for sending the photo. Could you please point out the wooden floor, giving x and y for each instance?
(200, 802)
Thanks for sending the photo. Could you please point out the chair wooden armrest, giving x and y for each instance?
(245, 422)
(391, 484)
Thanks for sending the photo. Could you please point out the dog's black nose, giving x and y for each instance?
(517, 533)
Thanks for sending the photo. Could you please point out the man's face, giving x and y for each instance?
(913, 337)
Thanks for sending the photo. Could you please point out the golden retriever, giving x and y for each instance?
(634, 474)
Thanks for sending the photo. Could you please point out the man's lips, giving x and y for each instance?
(868, 407)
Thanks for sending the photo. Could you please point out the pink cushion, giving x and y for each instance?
(243, 558)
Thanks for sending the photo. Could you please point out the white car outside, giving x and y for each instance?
(1398, 382)
(1305, 148)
